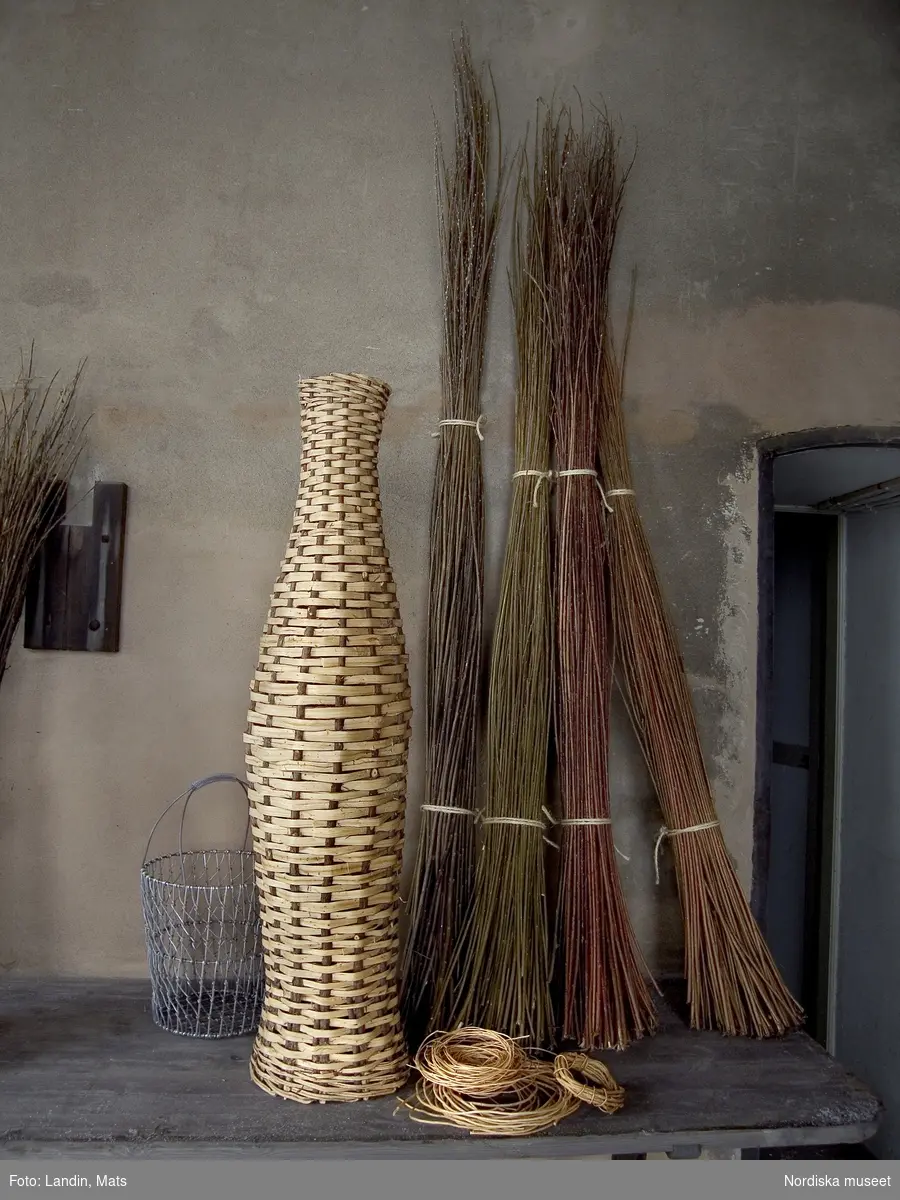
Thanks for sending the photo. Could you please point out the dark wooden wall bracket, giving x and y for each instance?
(74, 595)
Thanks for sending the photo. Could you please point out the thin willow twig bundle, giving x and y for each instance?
(469, 200)
(606, 1000)
(506, 962)
(733, 983)
(40, 441)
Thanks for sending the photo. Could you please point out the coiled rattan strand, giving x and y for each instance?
(485, 1082)
(474, 1062)
(538, 1102)
(601, 1091)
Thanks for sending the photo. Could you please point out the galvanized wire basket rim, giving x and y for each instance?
(244, 856)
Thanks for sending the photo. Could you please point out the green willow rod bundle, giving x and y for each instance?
(506, 959)
(606, 998)
(733, 983)
(40, 441)
(469, 202)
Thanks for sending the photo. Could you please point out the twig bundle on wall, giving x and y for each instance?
(606, 1001)
(469, 193)
(733, 984)
(506, 965)
(40, 441)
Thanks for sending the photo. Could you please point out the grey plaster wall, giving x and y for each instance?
(210, 198)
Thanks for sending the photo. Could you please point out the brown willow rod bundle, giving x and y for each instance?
(606, 998)
(470, 197)
(733, 983)
(40, 441)
(506, 959)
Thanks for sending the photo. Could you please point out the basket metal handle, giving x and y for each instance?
(186, 797)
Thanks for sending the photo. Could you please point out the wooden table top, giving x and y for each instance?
(83, 1070)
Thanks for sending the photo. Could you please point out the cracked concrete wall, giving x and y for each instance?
(209, 199)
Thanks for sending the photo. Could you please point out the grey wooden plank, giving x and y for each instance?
(561, 1146)
(82, 1064)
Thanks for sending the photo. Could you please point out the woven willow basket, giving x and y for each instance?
(327, 741)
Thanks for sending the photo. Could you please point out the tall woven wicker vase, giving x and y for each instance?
(327, 743)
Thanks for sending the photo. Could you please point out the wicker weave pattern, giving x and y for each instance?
(327, 743)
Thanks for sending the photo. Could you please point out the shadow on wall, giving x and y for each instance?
(30, 900)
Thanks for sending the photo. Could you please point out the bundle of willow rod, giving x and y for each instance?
(506, 958)
(40, 441)
(733, 984)
(606, 999)
(469, 202)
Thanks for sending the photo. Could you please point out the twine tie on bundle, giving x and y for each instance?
(581, 471)
(594, 821)
(448, 808)
(539, 478)
(476, 425)
(670, 833)
(588, 471)
(586, 821)
(527, 821)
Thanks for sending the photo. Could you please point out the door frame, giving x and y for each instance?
(768, 449)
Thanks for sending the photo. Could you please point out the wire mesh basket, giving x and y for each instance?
(202, 927)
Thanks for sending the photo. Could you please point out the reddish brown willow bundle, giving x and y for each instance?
(606, 998)
(732, 980)
(469, 209)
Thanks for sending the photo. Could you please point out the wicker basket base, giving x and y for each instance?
(307, 1086)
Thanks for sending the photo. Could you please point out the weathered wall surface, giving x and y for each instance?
(209, 199)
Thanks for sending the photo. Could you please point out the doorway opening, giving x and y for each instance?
(827, 822)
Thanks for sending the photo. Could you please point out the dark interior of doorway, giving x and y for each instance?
(804, 616)
(853, 456)
(821, 473)
(807, 543)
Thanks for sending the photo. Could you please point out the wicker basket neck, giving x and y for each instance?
(338, 496)
(336, 405)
